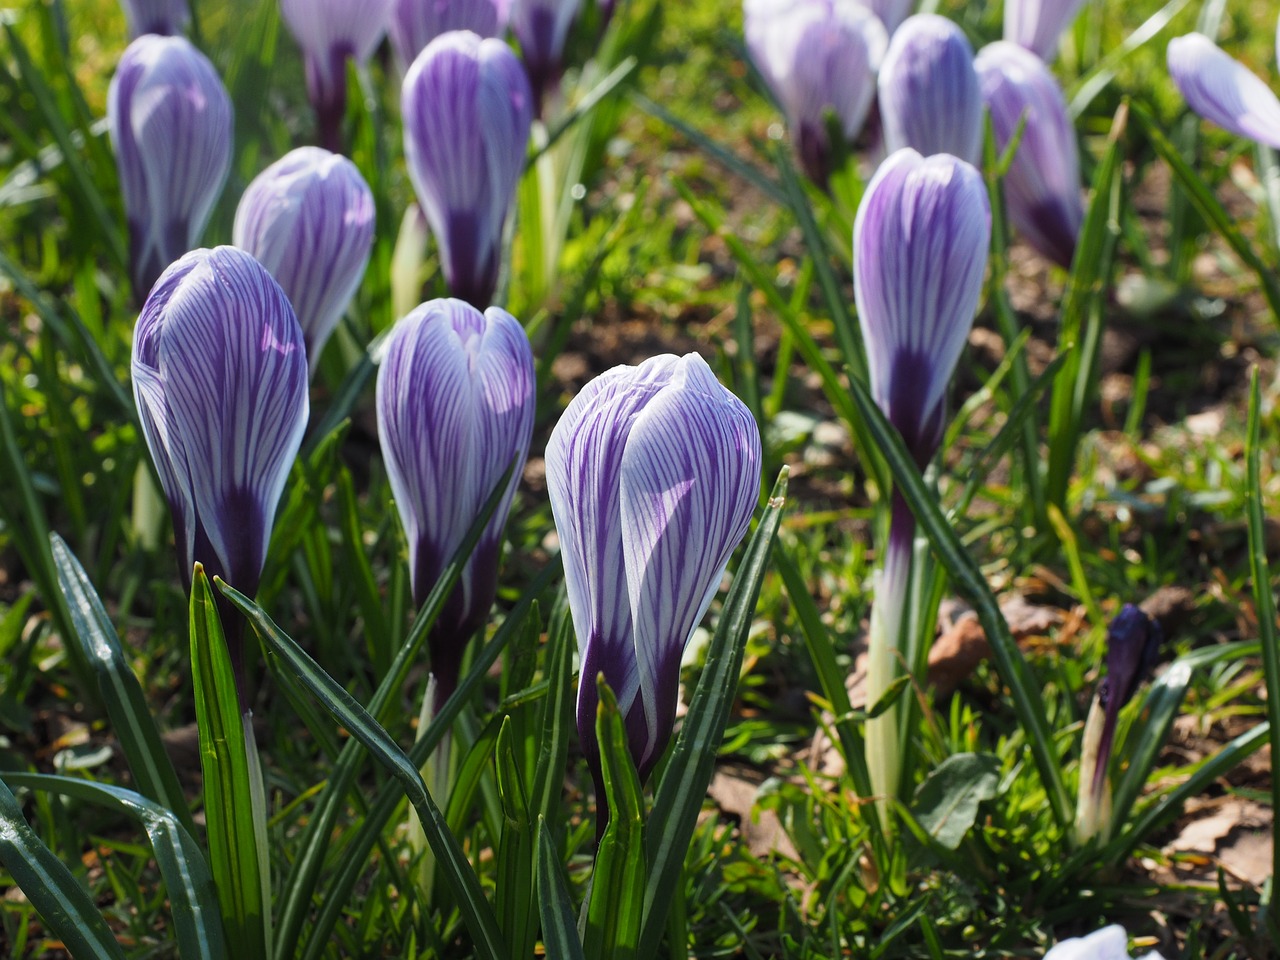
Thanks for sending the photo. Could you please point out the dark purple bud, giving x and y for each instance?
(164, 17)
(1133, 648)
(542, 27)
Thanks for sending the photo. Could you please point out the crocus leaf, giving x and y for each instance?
(559, 932)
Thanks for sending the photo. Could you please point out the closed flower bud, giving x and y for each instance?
(1223, 90)
(330, 32)
(456, 393)
(929, 95)
(164, 17)
(1036, 25)
(170, 122)
(1042, 187)
(542, 27)
(653, 473)
(308, 218)
(467, 113)
(818, 57)
(415, 23)
(920, 244)
(891, 13)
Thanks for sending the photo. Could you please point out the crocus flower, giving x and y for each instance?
(1036, 25)
(1042, 187)
(920, 243)
(929, 95)
(170, 122)
(467, 113)
(164, 17)
(817, 56)
(330, 32)
(1223, 90)
(415, 23)
(1109, 943)
(220, 379)
(308, 218)
(1133, 644)
(542, 27)
(653, 473)
(455, 397)
(891, 13)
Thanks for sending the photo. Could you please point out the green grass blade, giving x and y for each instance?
(557, 718)
(66, 908)
(559, 932)
(197, 923)
(227, 758)
(516, 902)
(131, 719)
(688, 773)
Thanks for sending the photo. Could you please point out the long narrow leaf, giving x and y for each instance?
(559, 932)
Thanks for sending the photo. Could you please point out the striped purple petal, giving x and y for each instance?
(309, 218)
(220, 378)
(920, 244)
(892, 13)
(542, 28)
(1037, 25)
(164, 17)
(415, 23)
(1042, 187)
(455, 396)
(170, 123)
(929, 95)
(1223, 90)
(467, 113)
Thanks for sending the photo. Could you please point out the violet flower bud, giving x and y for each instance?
(415, 23)
(1223, 90)
(164, 17)
(308, 218)
(456, 395)
(1042, 187)
(170, 122)
(817, 56)
(892, 13)
(467, 114)
(920, 243)
(653, 473)
(1036, 25)
(929, 94)
(330, 32)
(542, 27)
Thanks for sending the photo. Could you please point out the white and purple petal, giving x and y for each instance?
(1037, 25)
(892, 13)
(415, 23)
(1221, 89)
(542, 27)
(1109, 943)
(164, 17)
(309, 219)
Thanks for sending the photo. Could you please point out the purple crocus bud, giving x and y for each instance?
(456, 393)
(891, 13)
(170, 122)
(920, 244)
(653, 473)
(164, 17)
(308, 218)
(467, 113)
(929, 95)
(415, 23)
(542, 27)
(817, 56)
(220, 379)
(330, 32)
(1223, 90)
(1042, 187)
(1036, 25)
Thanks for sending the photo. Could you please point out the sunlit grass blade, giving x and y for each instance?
(688, 772)
(515, 901)
(64, 905)
(234, 810)
(964, 572)
(559, 932)
(584, 106)
(197, 922)
(557, 717)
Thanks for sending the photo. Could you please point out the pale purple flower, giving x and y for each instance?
(817, 56)
(1223, 90)
(415, 23)
(1042, 187)
(929, 95)
(456, 394)
(467, 112)
(308, 218)
(1109, 943)
(653, 473)
(1036, 25)
(891, 13)
(170, 122)
(542, 27)
(165, 17)
(330, 32)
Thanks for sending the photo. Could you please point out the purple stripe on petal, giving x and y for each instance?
(1223, 90)
(542, 28)
(415, 23)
